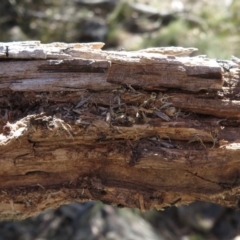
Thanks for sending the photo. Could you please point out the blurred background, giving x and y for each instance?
(211, 26)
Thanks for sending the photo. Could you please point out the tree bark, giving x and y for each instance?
(147, 129)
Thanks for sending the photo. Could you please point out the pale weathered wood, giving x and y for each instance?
(149, 71)
(55, 75)
(148, 129)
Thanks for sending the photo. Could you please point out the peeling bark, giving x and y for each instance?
(147, 129)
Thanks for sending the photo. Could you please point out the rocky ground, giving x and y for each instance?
(96, 221)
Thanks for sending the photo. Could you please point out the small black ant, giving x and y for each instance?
(7, 51)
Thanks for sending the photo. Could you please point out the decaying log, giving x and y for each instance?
(147, 129)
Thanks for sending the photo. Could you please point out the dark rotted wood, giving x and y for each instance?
(147, 129)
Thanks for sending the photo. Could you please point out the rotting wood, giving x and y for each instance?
(147, 129)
